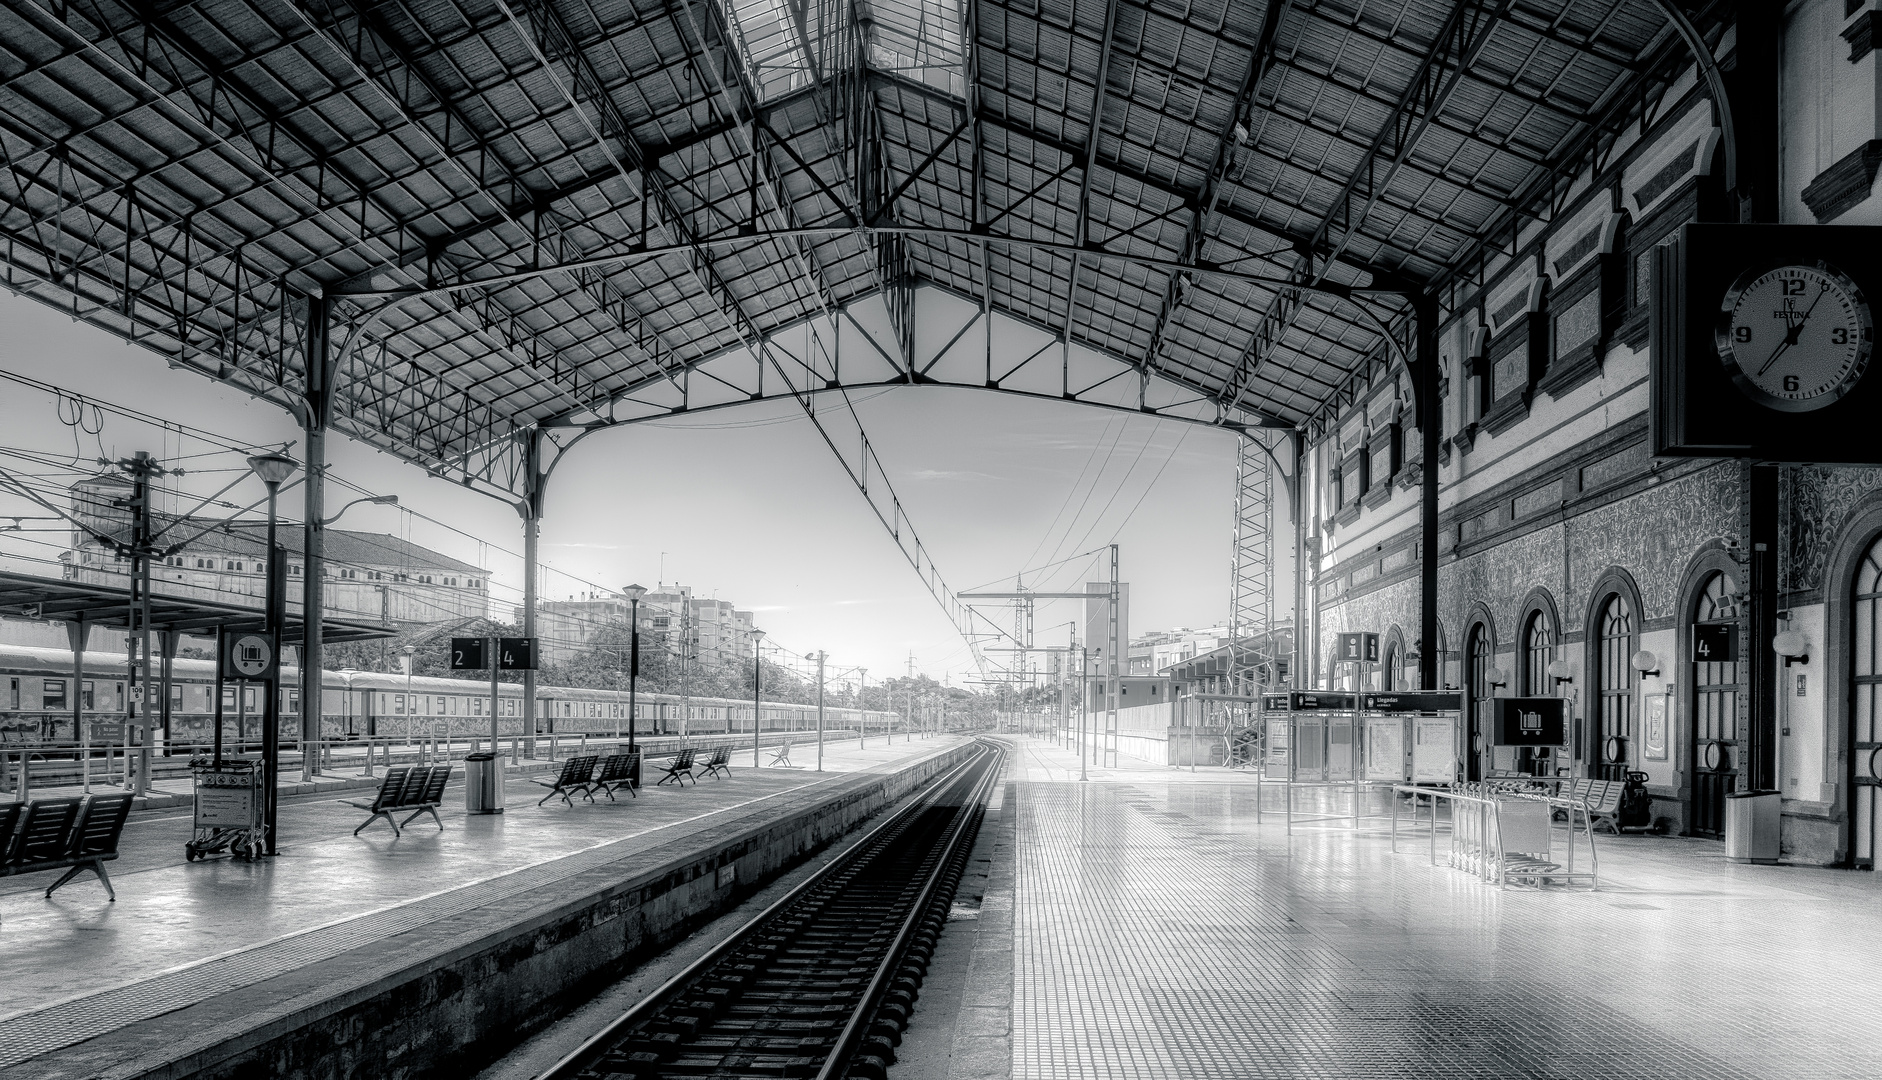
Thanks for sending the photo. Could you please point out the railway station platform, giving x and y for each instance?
(372, 955)
(1154, 930)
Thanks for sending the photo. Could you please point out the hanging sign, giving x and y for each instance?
(250, 655)
(1714, 643)
(1414, 701)
(1531, 721)
(1310, 701)
(516, 654)
(1358, 649)
(467, 654)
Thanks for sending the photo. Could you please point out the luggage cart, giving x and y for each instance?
(229, 807)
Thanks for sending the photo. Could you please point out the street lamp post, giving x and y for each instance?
(634, 593)
(757, 709)
(862, 707)
(820, 658)
(272, 469)
(411, 709)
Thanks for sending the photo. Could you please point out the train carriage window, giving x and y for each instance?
(176, 693)
(248, 698)
(87, 695)
(13, 693)
(398, 704)
(294, 702)
(441, 705)
(228, 698)
(52, 694)
(509, 707)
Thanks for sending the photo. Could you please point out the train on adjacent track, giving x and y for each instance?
(38, 705)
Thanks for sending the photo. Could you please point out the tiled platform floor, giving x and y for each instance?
(184, 931)
(1160, 933)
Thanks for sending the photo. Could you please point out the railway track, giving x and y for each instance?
(820, 984)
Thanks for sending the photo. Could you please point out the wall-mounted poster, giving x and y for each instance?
(1653, 728)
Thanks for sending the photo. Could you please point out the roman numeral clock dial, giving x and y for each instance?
(1794, 338)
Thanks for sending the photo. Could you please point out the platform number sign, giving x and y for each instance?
(516, 654)
(1714, 643)
(1359, 649)
(467, 654)
(250, 656)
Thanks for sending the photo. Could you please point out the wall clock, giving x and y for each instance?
(1794, 337)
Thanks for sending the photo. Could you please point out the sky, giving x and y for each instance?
(746, 504)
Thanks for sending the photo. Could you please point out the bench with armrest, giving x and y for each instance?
(576, 778)
(782, 756)
(77, 834)
(419, 789)
(719, 764)
(618, 771)
(1600, 801)
(680, 769)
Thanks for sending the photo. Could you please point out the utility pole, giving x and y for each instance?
(820, 658)
(686, 665)
(1111, 676)
(862, 708)
(143, 468)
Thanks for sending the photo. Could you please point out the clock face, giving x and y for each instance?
(1794, 338)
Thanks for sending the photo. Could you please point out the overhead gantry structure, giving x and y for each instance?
(468, 231)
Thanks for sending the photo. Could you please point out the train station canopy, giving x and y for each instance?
(27, 596)
(504, 214)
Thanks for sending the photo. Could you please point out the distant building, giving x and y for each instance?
(372, 576)
(715, 630)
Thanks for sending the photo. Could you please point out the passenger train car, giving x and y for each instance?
(37, 699)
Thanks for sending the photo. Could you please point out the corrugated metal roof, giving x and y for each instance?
(187, 174)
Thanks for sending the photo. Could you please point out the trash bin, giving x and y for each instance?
(1751, 826)
(483, 783)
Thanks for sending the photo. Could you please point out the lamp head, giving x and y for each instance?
(1646, 663)
(1561, 671)
(384, 500)
(273, 468)
(634, 592)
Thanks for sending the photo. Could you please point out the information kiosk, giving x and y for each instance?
(1411, 736)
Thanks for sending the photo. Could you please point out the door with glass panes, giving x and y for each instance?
(1865, 727)
(1714, 724)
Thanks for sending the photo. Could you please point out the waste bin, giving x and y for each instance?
(1751, 826)
(483, 783)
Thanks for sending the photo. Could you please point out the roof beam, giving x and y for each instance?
(1233, 130)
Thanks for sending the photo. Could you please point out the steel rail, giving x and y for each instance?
(576, 1062)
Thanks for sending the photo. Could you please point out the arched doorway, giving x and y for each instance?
(1865, 729)
(1538, 652)
(1479, 660)
(1714, 715)
(1611, 732)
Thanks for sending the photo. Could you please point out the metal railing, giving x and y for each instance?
(1483, 841)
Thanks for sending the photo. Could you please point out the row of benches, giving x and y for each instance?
(77, 834)
(579, 775)
(1599, 799)
(417, 788)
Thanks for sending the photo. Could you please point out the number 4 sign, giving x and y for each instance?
(1715, 643)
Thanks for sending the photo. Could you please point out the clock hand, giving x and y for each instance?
(1791, 335)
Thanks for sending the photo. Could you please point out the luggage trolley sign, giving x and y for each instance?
(1531, 721)
(250, 656)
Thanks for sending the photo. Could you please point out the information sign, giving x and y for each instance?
(1532, 721)
(103, 732)
(1414, 701)
(467, 654)
(250, 655)
(224, 800)
(1714, 643)
(1359, 649)
(1274, 703)
(516, 654)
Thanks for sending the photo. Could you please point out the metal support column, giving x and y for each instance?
(1430, 423)
(1251, 585)
(531, 509)
(314, 416)
(1297, 678)
(1112, 646)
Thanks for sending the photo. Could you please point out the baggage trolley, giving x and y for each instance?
(229, 808)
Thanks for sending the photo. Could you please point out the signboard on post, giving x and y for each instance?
(1358, 649)
(249, 655)
(1310, 701)
(1714, 642)
(1532, 721)
(467, 654)
(516, 654)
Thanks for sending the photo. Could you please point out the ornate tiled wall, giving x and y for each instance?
(1652, 535)
(1817, 504)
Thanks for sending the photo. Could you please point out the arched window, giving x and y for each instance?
(1715, 715)
(1613, 729)
(1538, 653)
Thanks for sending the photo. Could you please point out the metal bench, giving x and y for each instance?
(719, 764)
(680, 769)
(782, 756)
(77, 834)
(619, 771)
(576, 778)
(419, 789)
